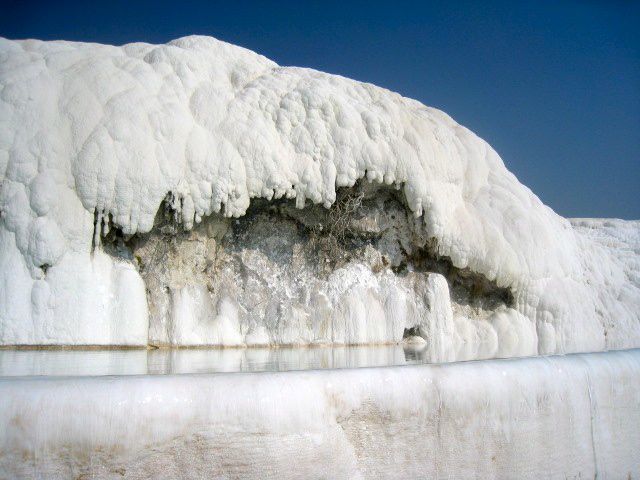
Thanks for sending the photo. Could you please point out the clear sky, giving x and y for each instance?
(554, 87)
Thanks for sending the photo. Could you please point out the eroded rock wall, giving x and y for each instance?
(363, 271)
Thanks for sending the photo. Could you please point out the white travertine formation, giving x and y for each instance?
(98, 136)
(572, 416)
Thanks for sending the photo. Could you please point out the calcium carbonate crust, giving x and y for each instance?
(573, 416)
(94, 137)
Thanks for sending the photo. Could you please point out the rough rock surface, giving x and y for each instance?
(99, 144)
(360, 272)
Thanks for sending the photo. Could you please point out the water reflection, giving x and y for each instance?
(168, 361)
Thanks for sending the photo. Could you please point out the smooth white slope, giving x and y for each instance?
(90, 128)
(557, 417)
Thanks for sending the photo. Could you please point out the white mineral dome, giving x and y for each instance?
(96, 139)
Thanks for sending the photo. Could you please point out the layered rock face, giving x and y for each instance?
(195, 193)
(363, 271)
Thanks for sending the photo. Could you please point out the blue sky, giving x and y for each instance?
(554, 87)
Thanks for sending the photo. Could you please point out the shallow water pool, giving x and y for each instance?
(92, 362)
